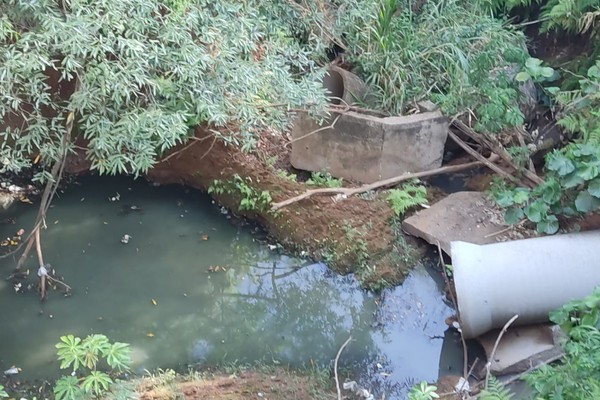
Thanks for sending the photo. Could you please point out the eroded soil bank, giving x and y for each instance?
(352, 235)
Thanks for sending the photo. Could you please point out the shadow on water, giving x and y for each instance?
(265, 306)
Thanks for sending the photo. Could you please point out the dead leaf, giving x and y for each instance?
(154, 302)
(37, 159)
(204, 237)
(150, 334)
(55, 222)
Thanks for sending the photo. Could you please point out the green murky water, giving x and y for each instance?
(266, 306)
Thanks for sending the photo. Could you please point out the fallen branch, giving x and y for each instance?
(375, 185)
(488, 366)
(497, 149)
(335, 368)
(321, 129)
(481, 158)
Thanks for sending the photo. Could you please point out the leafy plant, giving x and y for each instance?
(496, 391)
(534, 69)
(572, 182)
(451, 52)
(251, 198)
(577, 376)
(423, 391)
(324, 179)
(3, 392)
(410, 195)
(138, 74)
(84, 357)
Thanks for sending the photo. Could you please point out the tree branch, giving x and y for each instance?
(376, 185)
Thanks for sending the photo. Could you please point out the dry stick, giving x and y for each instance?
(335, 369)
(504, 230)
(533, 368)
(38, 247)
(375, 185)
(481, 158)
(455, 303)
(467, 130)
(488, 366)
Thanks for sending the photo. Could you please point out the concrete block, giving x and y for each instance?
(367, 148)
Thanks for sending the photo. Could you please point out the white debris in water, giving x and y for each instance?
(125, 238)
(462, 386)
(116, 197)
(12, 371)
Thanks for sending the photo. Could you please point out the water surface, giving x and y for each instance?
(258, 305)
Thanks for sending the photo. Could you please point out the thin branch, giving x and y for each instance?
(175, 153)
(365, 188)
(488, 366)
(481, 158)
(335, 367)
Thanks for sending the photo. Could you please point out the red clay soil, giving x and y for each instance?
(246, 385)
(349, 228)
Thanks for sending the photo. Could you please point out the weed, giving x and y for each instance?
(495, 391)
(577, 376)
(83, 356)
(324, 179)
(410, 195)
(286, 175)
(423, 391)
(3, 392)
(251, 199)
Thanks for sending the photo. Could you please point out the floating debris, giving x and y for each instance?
(125, 239)
(217, 268)
(154, 302)
(204, 237)
(12, 371)
(116, 197)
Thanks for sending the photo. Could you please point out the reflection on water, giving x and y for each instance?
(264, 306)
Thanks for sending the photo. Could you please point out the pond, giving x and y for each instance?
(194, 287)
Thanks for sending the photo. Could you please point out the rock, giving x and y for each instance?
(522, 348)
(367, 148)
(464, 216)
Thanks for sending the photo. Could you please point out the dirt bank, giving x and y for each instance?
(278, 384)
(351, 235)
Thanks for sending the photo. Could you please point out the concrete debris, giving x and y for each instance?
(367, 148)
(353, 387)
(462, 216)
(522, 348)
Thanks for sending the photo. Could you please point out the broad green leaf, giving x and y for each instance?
(547, 72)
(558, 162)
(118, 356)
(536, 211)
(522, 77)
(96, 382)
(585, 202)
(521, 196)
(513, 215)
(70, 352)
(549, 225)
(588, 170)
(67, 388)
(504, 198)
(533, 62)
(594, 188)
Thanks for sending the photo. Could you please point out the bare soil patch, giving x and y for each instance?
(279, 385)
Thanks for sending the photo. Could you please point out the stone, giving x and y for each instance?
(465, 216)
(367, 148)
(522, 348)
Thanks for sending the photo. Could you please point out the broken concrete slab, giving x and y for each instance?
(368, 148)
(522, 348)
(461, 216)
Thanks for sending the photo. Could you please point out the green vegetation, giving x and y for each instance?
(423, 391)
(451, 52)
(252, 199)
(577, 376)
(410, 195)
(3, 392)
(496, 391)
(85, 357)
(135, 89)
(324, 179)
(572, 181)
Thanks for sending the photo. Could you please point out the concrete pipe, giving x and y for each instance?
(344, 87)
(529, 277)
